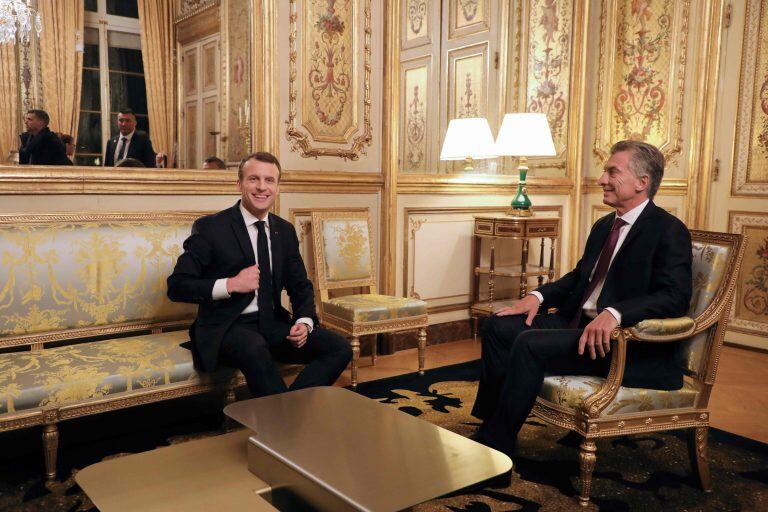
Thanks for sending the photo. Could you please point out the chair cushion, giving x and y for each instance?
(75, 373)
(570, 391)
(369, 307)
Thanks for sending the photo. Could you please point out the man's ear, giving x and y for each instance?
(642, 183)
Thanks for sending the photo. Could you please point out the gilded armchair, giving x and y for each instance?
(344, 259)
(595, 407)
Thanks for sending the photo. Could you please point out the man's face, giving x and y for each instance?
(126, 123)
(33, 123)
(621, 188)
(259, 186)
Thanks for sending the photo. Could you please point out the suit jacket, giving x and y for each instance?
(45, 148)
(219, 247)
(140, 148)
(650, 277)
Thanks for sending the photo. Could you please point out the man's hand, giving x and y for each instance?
(160, 159)
(298, 335)
(246, 281)
(597, 335)
(528, 305)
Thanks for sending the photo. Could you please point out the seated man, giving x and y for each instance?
(636, 265)
(235, 265)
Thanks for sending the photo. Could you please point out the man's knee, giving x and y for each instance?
(336, 344)
(501, 328)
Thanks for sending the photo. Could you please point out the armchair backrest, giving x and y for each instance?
(716, 262)
(343, 248)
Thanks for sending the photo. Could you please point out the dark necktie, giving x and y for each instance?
(601, 269)
(121, 149)
(264, 296)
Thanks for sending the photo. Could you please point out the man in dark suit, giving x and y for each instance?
(235, 265)
(636, 265)
(39, 145)
(129, 143)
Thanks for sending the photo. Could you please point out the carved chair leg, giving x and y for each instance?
(475, 321)
(51, 449)
(355, 358)
(374, 342)
(422, 348)
(587, 460)
(698, 450)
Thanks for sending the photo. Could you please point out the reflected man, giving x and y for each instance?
(39, 145)
(130, 143)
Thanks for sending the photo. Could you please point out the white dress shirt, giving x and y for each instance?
(220, 286)
(127, 145)
(590, 306)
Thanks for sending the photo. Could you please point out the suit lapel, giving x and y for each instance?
(277, 252)
(637, 228)
(593, 250)
(241, 233)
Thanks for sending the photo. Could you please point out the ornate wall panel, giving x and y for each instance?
(330, 70)
(416, 97)
(750, 173)
(468, 17)
(468, 82)
(417, 27)
(641, 73)
(750, 308)
(238, 116)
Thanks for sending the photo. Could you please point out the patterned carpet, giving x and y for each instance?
(646, 472)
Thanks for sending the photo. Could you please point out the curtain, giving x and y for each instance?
(9, 101)
(157, 45)
(60, 63)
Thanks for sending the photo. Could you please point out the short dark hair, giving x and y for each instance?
(646, 160)
(215, 160)
(66, 138)
(129, 162)
(128, 111)
(260, 156)
(40, 114)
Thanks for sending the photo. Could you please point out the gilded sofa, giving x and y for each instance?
(85, 324)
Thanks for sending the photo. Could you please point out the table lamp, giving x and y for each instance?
(523, 135)
(468, 139)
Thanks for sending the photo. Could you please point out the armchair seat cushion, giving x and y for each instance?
(570, 391)
(70, 374)
(370, 308)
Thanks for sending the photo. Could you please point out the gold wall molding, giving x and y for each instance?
(641, 74)
(343, 85)
(749, 313)
(198, 23)
(750, 172)
(264, 80)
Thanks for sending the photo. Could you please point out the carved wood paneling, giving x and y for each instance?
(749, 313)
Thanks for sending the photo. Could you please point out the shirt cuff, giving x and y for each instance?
(538, 296)
(615, 314)
(308, 322)
(220, 290)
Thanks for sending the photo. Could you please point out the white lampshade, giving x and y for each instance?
(469, 137)
(525, 134)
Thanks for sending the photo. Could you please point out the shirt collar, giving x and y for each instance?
(249, 218)
(631, 216)
(129, 136)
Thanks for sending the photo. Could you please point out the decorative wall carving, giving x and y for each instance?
(189, 8)
(326, 79)
(417, 27)
(641, 73)
(468, 17)
(416, 98)
(239, 117)
(750, 308)
(750, 173)
(468, 82)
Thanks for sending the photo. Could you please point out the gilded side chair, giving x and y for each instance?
(595, 407)
(344, 259)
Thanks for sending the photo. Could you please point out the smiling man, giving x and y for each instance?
(235, 265)
(636, 265)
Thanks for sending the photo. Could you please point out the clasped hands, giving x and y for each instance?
(247, 281)
(596, 337)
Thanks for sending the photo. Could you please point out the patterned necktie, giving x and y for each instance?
(264, 298)
(121, 149)
(601, 269)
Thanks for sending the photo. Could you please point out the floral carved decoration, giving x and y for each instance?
(468, 101)
(416, 128)
(469, 9)
(417, 13)
(328, 84)
(547, 65)
(640, 100)
(762, 138)
(756, 290)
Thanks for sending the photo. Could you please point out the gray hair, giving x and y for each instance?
(646, 160)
